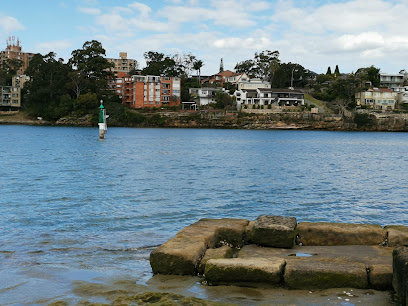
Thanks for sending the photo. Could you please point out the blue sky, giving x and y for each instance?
(313, 33)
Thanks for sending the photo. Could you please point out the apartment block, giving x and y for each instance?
(10, 96)
(122, 64)
(13, 51)
(140, 91)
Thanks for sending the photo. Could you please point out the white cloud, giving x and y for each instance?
(175, 1)
(363, 41)
(89, 10)
(9, 24)
(234, 43)
(142, 8)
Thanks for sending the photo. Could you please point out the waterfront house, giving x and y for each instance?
(377, 98)
(402, 96)
(205, 95)
(268, 96)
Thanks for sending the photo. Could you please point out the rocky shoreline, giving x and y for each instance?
(241, 120)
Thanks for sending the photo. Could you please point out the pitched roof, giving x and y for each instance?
(226, 73)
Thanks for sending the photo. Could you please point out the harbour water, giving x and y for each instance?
(75, 208)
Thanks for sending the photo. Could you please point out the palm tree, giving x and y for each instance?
(197, 66)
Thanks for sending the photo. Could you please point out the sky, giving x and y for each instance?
(313, 33)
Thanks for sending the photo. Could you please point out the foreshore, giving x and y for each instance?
(257, 120)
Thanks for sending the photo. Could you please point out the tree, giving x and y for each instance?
(246, 66)
(337, 71)
(197, 66)
(222, 100)
(329, 71)
(185, 62)
(159, 64)
(48, 78)
(370, 74)
(8, 69)
(91, 65)
(264, 65)
(283, 76)
(86, 103)
(77, 83)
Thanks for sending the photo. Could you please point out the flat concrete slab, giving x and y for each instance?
(315, 274)
(376, 260)
(329, 234)
(356, 253)
(244, 271)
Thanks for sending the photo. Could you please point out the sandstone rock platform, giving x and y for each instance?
(328, 255)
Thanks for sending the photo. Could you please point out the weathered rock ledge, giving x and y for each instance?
(277, 251)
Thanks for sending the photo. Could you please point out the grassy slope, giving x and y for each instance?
(311, 100)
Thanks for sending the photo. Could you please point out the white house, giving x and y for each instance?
(205, 95)
(402, 95)
(254, 83)
(268, 96)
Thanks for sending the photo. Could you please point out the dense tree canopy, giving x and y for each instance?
(160, 64)
(91, 65)
(264, 65)
(369, 74)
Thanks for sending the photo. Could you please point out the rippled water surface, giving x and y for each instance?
(73, 207)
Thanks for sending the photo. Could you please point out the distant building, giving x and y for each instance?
(13, 51)
(268, 96)
(122, 64)
(237, 77)
(10, 96)
(218, 79)
(254, 83)
(391, 80)
(402, 95)
(139, 91)
(377, 98)
(205, 95)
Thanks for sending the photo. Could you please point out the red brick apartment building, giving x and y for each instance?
(13, 52)
(139, 91)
